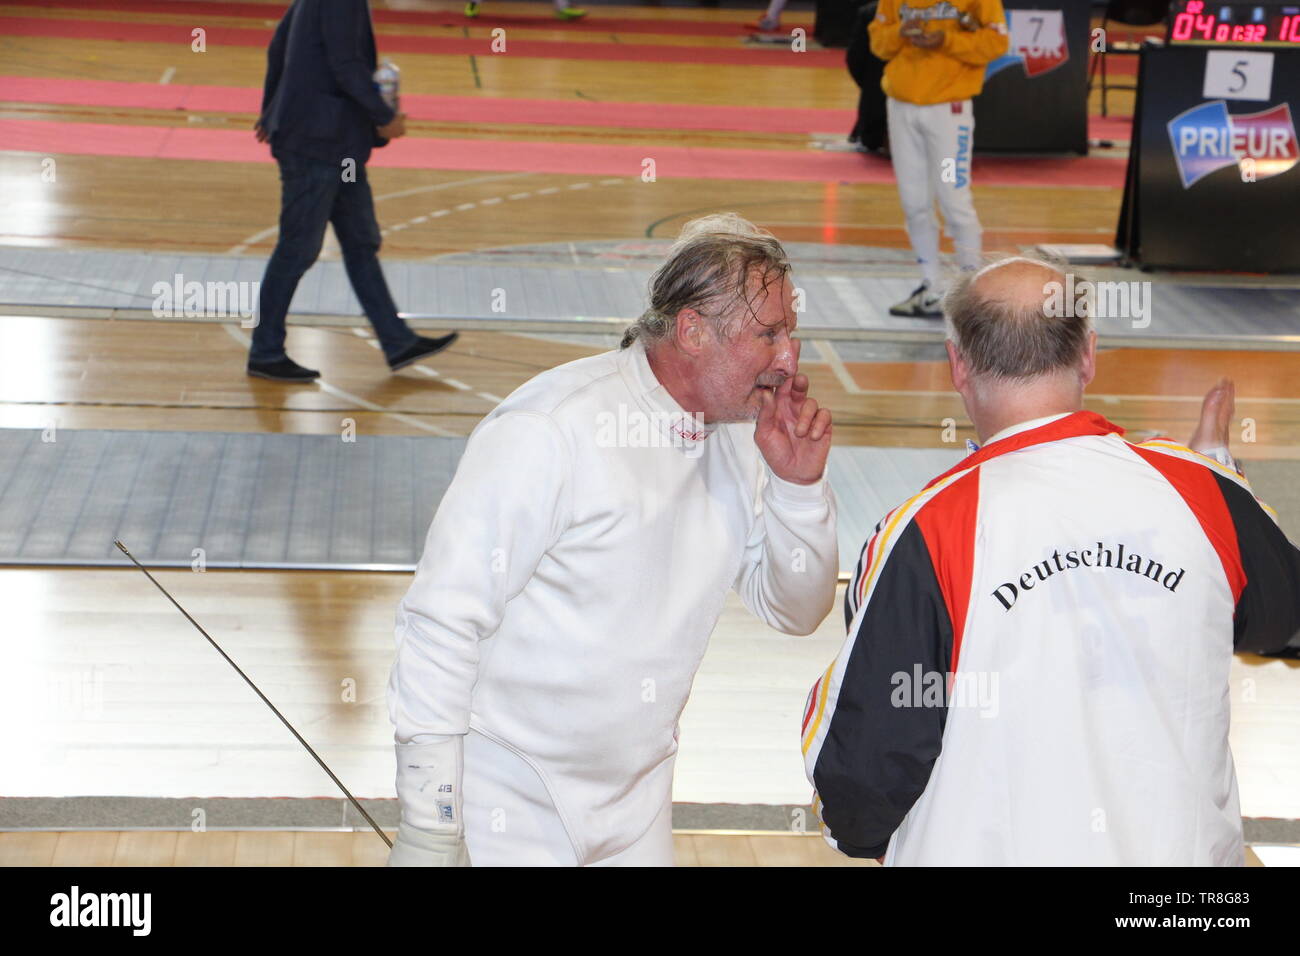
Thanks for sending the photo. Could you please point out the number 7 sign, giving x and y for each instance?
(1038, 36)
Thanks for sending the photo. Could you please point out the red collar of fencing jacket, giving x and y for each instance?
(1071, 426)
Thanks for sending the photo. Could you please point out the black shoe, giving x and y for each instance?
(923, 303)
(423, 348)
(285, 370)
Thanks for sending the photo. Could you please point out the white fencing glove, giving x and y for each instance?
(431, 831)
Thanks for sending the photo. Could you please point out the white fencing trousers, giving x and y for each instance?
(510, 819)
(931, 148)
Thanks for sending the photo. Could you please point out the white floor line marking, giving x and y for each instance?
(1090, 230)
(357, 400)
(438, 213)
(832, 359)
(1189, 398)
(371, 406)
(254, 238)
(457, 384)
(436, 187)
(167, 76)
(1088, 396)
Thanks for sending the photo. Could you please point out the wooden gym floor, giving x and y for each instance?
(250, 848)
(73, 372)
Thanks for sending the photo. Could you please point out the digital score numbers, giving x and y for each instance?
(1195, 21)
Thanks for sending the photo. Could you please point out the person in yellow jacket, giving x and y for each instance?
(935, 52)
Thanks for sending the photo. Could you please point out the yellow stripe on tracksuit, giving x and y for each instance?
(1216, 465)
(868, 579)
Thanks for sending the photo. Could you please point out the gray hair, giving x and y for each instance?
(1018, 340)
(709, 269)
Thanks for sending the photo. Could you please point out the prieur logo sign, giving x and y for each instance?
(1207, 138)
(75, 908)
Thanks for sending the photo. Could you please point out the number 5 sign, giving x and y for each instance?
(1235, 75)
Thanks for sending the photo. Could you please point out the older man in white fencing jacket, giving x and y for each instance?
(582, 555)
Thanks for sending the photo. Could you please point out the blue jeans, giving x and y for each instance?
(312, 194)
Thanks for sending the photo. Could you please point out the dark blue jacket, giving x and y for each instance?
(319, 99)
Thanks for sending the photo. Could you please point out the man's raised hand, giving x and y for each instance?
(793, 433)
(1212, 431)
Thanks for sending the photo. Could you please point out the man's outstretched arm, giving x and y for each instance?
(1266, 618)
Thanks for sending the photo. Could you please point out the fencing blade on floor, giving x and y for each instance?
(360, 809)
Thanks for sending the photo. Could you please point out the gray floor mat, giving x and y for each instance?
(316, 501)
(846, 291)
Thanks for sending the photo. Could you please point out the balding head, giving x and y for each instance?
(1009, 320)
(1017, 281)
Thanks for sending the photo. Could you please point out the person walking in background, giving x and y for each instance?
(322, 115)
(935, 53)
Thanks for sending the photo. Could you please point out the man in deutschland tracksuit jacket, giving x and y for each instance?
(1039, 641)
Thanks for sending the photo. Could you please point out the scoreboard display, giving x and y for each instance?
(1257, 24)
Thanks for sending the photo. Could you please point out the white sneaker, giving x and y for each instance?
(921, 304)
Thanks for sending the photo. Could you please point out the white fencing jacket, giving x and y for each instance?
(1036, 669)
(574, 571)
